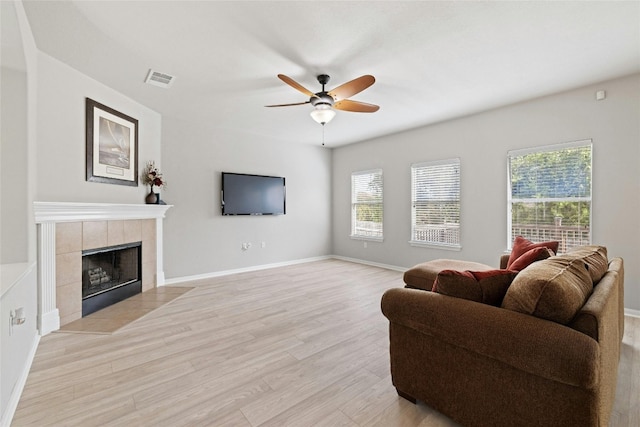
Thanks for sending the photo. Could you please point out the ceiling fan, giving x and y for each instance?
(324, 102)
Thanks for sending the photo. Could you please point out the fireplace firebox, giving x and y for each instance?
(110, 275)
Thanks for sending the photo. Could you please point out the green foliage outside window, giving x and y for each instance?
(552, 187)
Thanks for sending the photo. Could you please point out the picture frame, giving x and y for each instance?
(112, 145)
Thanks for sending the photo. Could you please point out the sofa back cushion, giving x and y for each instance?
(596, 259)
(488, 287)
(554, 289)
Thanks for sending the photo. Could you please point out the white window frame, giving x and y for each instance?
(544, 149)
(446, 233)
(354, 228)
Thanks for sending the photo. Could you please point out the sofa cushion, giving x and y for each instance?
(422, 276)
(522, 245)
(488, 287)
(554, 289)
(532, 255)
(596, 259)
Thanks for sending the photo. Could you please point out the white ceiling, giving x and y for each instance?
(432, 61)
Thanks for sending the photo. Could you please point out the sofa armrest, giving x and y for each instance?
(529, 344)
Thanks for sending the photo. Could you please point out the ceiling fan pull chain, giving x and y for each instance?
(323, 134)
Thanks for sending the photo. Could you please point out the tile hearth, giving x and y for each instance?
(113, 318)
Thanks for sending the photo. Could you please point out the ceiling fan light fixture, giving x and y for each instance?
(323, 114)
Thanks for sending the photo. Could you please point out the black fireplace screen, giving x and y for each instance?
(105, 269)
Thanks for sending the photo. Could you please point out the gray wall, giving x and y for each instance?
(13, 171)
(18, 251)
(198, 240)
(46, 162)
(481, 142)
(61, 136)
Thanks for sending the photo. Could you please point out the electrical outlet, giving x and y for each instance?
(264, 245)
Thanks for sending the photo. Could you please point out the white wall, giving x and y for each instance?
(198, 240)
(61, 136)
(46, 162)
(481, 142)
(14, 171)
(18, 260)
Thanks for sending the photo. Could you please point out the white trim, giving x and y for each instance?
(423, 169)
(159, 253)
(178, 280)
(422, 244)
(355, 202)
(175, 280)
(448, 161)
(367, 238)
(49, 321)
(552, 199)
(545, 149)
(48, 314)
(631, 312)
(551, 147)
(367, 172)
(16, 393)
(371, 263)
(14, 273)
(71, 212)
(47, 214)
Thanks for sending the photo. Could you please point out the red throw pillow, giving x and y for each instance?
(488, 287)
(522, 245)
(529, 257)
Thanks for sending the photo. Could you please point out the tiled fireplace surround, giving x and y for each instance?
(66, 229)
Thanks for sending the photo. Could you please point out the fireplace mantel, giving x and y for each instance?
(66, 211)
(48, 214)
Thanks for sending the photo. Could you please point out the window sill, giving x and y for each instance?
(367, 238)
(420, 244)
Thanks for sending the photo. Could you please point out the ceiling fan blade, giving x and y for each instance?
(351, 88)
(288, 105)
(355, 106)
(294, 84)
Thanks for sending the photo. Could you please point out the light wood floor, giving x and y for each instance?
(303, 345)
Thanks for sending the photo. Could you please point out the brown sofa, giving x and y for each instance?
(510, 365)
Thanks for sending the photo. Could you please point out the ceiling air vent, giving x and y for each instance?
(157, 78)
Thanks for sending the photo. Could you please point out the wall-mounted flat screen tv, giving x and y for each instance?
(244, 194)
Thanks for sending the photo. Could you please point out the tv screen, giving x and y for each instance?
(244, 194)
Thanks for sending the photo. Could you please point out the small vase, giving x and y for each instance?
(152, 198)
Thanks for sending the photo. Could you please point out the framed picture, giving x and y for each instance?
(112, 145)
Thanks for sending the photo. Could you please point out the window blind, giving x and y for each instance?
(435, 199)
(549, 195)
(367, 204)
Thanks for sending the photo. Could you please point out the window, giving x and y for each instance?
(549, 195)
(366, 204)
(435, 201)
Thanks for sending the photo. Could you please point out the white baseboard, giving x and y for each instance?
(175, 280)
(160, 280)
(14, 399)
(371, 263)
(50, 322)
(632, 313)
